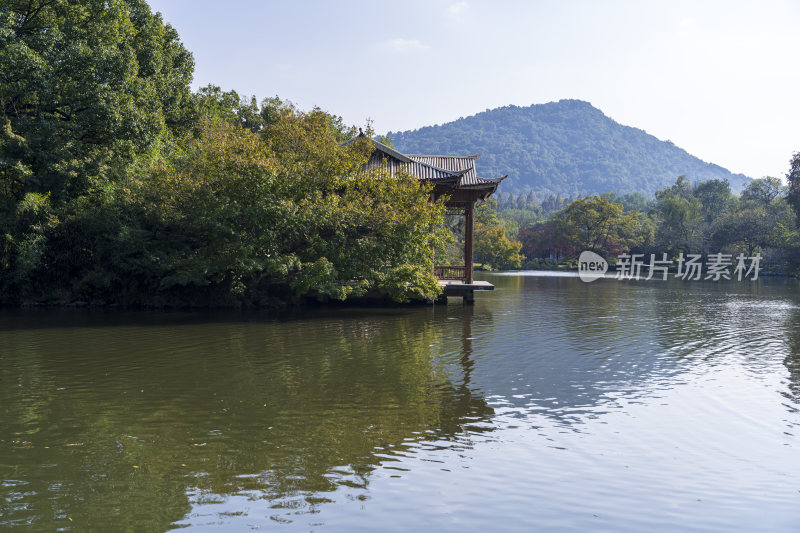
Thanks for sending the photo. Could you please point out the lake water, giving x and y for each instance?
(550, 405)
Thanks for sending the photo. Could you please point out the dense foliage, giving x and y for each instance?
(566, 148)
(286, 212)
(793, 177)
(493, 248)
(118, 185)
(684, 218)
(89, 88)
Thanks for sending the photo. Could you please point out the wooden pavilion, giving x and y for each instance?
(455, 177)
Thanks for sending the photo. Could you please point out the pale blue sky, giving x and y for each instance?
(718, 78)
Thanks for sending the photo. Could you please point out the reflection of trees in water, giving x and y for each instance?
(734, 322)
(593, 344)
(695, 327)
(281, 411)
(710, 322)
(596, 347)
(792, 359)
(699, 321)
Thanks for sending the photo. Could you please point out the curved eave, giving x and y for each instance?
(484, 183)
(488, 186)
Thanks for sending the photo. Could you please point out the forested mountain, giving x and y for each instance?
(567, 147)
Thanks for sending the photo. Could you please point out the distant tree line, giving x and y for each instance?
(686, 218)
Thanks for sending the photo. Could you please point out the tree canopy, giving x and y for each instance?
(88, 88)
(492, 246)
(120, 185)
(595, 223)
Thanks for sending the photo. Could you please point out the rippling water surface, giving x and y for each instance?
(550, 405)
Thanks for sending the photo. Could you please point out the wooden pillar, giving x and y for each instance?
(469, 215)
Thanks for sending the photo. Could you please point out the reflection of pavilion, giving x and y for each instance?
(456, 178)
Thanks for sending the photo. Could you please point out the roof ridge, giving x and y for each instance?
(392, 152)
(406, 159)
(474, 156)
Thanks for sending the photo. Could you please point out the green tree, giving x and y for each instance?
(491, 238)
(793, 177)
(750, 229)
(492, 247)
(764, 219)
(597, 224)
(715, 198)
(486, 213)
(763, 191)
(680, 218)
(87, 88)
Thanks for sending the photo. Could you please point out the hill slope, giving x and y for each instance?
(567, 147)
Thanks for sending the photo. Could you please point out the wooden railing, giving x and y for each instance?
(450, 272)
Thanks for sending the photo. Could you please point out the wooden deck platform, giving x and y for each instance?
(453, 287)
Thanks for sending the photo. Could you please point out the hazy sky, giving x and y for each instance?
(718, 78)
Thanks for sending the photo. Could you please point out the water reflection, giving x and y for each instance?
(547, 398)
(114, 424)
(576, 351)
(792, 359)
(568, 351)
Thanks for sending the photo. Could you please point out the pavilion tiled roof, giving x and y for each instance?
(458, 163)
(458, 170)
